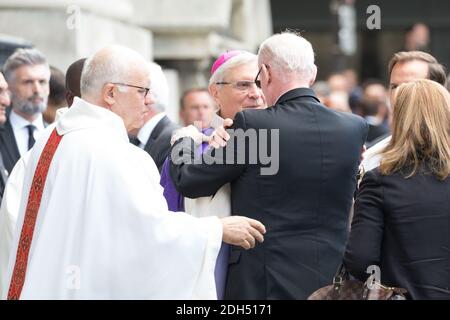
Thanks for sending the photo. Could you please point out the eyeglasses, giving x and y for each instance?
(239, 85)
(144, 90)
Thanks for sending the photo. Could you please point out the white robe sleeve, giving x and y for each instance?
(188, 246)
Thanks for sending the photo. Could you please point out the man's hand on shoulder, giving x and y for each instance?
(220, 136)
(189, 131)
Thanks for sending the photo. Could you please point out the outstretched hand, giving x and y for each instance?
(242, 231)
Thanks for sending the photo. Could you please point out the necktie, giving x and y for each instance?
(135, 141)
(31, 140)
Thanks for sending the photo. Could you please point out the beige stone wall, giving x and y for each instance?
(186, 35)
(68, 30)
(189, 34)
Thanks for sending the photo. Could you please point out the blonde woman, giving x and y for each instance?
(402, 210)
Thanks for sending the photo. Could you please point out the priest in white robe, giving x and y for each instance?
(102, 228)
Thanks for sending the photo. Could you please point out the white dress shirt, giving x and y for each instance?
(145, 132)
(372, 156)
(19, 126)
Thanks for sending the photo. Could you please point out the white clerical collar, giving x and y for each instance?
(145, 132)
(83, 115)
(18, 122)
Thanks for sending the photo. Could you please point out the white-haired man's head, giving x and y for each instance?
(159, 89)
(111, 64)
(232, 83)
(159, 92)
(286, 62)
(118, 78)
(238, 59)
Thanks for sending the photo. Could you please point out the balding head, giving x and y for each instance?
(73, 78)
(112, 64)
(118, 79)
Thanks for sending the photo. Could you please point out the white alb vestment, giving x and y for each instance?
(9, 210)
(103, 229)
(218, 205)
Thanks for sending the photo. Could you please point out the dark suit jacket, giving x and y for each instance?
(8, 146)
(305, 206)
(158, 144)
(375, 132)
(403, 226)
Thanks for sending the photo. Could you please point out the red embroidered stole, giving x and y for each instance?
(33, 204)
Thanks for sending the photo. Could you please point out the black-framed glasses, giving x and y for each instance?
(145, 90)
(242, 85)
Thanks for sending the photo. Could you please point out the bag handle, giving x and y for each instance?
(340, 275)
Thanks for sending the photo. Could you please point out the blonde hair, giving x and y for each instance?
(421, 131)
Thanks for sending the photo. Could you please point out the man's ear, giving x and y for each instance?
(214, 92)
(314, 75)
(268, 73)
(69, 97)
(108, 94)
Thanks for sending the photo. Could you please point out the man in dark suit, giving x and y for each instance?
(154, 136)
(28, 74)
(158, 143)
(4, 103)
(303, 196)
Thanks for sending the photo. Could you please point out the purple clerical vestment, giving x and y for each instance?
(175, 202)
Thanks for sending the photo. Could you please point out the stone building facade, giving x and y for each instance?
(184, 36)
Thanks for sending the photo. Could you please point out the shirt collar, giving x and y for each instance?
(145, 132)
(18, 122)
(296, 93)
